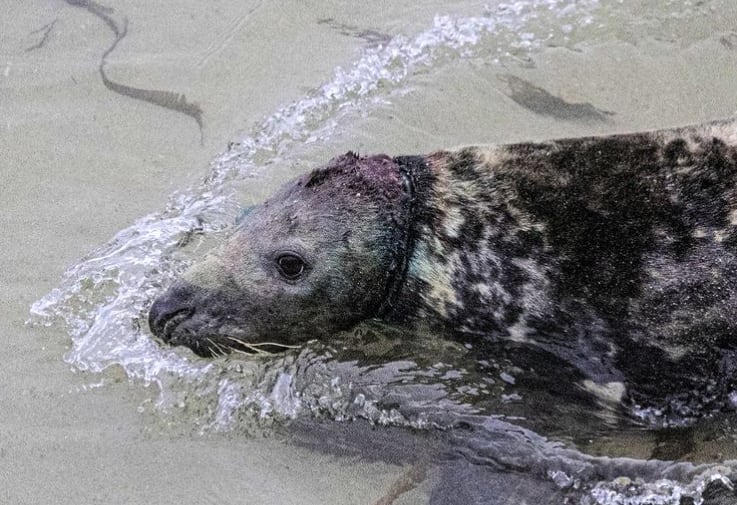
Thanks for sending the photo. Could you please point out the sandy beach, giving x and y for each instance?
(82, 162)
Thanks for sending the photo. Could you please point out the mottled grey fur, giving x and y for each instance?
(614, 253)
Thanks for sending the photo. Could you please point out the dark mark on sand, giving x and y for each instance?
(46, 29)
(167, 99)
(542, 102)
(372, 37)
(729, 40)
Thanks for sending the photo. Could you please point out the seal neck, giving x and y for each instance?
(415, 174)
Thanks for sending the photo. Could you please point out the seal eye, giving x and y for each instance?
(291, 266)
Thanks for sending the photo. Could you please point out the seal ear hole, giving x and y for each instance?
(291, 266)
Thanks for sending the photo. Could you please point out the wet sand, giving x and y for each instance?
(81, 162)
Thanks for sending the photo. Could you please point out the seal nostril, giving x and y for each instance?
(166, 314)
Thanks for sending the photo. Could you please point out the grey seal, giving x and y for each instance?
(615, 253)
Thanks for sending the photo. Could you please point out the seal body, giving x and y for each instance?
(616, 253)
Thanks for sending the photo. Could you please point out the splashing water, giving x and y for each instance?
(103, 299)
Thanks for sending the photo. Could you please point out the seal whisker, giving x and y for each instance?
(217, 347)
(242, 352)
(250, 347)
(256, 347)
(274, 344)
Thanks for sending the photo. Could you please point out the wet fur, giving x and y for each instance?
(614, 253)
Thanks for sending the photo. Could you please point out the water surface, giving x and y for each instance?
(282, 89)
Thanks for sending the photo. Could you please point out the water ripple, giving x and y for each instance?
(102, 300)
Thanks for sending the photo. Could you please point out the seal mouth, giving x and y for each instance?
(172, 318)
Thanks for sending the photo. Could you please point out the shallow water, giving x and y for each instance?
(311, 80)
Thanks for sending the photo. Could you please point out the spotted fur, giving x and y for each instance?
(616, 254)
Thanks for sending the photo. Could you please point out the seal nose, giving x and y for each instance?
(170, 310)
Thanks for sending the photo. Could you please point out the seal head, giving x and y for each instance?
(327, 251)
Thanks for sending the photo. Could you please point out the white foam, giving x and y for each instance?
(103, 299)
(623, 491)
